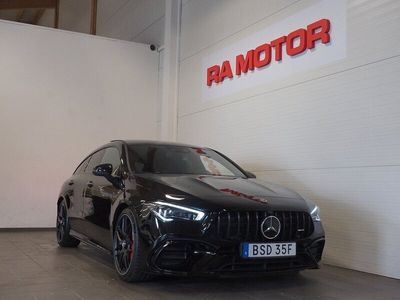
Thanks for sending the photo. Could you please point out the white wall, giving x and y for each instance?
(140, 21)
(331, 133)
(159, 91)
(62, 94)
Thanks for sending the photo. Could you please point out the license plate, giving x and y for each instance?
(250, 250)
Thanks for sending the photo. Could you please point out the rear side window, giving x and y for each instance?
(81, 168)
(95, 160)
(112, 156)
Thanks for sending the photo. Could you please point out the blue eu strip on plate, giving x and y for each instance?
(245, 249)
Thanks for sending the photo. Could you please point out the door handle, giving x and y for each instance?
(71, 182)
(90, 184)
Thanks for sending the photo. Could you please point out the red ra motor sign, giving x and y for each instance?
(295, 43)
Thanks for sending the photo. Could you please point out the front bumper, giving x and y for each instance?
(178, 255)
(213, 246)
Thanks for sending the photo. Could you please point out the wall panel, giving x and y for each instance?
(62, 95)
(332, 133)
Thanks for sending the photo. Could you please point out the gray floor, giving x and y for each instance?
(33, 267)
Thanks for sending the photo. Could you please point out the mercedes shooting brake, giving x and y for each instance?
(174, 209)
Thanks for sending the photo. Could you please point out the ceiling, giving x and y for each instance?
(133, 20)
(26, 11)
(31, 15)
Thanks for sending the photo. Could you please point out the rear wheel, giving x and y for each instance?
(63, 237)
(128, 251)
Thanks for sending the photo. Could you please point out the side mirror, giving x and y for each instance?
(249, 174)
(103, 170)
(106, 170)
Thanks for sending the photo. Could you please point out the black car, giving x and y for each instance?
(174, 209)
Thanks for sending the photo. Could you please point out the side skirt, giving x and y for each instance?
(84, 239)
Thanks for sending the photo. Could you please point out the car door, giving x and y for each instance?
(76, 186)
(99, 196)
(87, 184)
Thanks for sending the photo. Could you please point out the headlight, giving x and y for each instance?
(315, 214)
(168, 212)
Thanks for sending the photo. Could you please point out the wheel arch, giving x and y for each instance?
(117, 212)
(67, 200)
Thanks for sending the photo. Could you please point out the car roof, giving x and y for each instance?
(154, 142)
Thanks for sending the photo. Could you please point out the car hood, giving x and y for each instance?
(220, 192)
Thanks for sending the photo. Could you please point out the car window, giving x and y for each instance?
(212, 166)
(171, 159)
(94, 161)
(81, 168)
(112, 156)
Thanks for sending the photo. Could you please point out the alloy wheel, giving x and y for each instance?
(123, 244)
(61, 222)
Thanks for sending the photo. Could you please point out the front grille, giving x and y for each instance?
(246, 226)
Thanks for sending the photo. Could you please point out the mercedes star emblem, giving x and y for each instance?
(270, 227)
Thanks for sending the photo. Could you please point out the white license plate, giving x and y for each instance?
(268, 249)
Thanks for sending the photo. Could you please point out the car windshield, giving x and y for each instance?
(171, 159)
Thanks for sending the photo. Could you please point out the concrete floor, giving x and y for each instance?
(32, 266)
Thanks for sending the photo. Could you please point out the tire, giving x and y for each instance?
(63, 237)
(129, 252)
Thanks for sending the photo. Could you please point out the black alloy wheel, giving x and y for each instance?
(63, 237)
(123, 244)
(129, 254)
